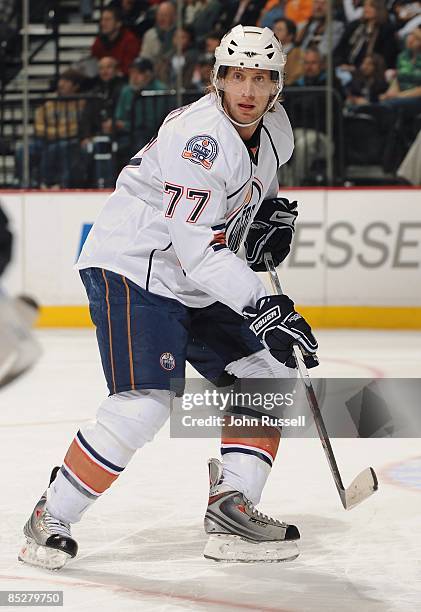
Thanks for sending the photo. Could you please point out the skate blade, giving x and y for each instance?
(235, 549)
(41, 556)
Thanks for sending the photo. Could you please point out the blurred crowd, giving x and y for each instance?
(140, 53)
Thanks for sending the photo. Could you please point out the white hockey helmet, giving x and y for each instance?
(250, 47)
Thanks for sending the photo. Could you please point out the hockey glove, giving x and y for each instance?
(271, 232)
(277, 324)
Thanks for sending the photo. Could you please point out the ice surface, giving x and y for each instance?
(141, 544)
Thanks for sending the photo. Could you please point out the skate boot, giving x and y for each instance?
(49, 543)
(239, 532)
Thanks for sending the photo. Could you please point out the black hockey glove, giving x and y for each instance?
(277, 324)
(271, 232)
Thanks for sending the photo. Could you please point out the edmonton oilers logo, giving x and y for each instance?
(167, 361)
(201, 150)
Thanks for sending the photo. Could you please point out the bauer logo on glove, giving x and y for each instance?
(262, 322)
(278, 325)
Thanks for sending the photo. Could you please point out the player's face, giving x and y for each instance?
(247, 92)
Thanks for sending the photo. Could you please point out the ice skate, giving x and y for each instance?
(49, 543)
(239, 532)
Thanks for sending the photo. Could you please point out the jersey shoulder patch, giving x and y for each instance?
(201, 149)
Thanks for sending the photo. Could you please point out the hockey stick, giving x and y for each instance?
(365, 484)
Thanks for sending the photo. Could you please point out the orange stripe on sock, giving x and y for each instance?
(261, 437)
(110, 335)
(89, 472)
(129, 334)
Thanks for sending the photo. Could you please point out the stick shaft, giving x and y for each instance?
(310, 394)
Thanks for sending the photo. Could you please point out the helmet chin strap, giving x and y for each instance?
(237, 123)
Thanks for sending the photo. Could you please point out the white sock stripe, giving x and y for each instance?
(252, 448)
(80, 482)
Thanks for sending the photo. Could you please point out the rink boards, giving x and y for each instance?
(355, 262)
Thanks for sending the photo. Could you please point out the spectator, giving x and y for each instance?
(297, 11)
(233, 12)
(202, 15)
(400, 104)
(368, 81)
(212, 40)
(95, 134)
(158, 39)
(314, 32)
(136, 15)
(191, 9)
(271, 12)
(181, 58)
(138, 117)
(373, 33)
(107, 87)
(408, 16)
(308, 114)
(352, 10)
(57, 126)
(115, 40)
(86, 8)
(207, 58)
(405, 89)
(203, 73)
(314, 71)
(285, 30)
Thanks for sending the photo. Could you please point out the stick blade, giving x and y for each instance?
(364, 485)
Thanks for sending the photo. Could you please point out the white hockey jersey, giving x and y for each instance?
(183, 205)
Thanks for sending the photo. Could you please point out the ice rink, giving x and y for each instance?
(140, 546)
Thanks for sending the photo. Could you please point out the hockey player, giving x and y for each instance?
(19, 350)
(165, 285)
